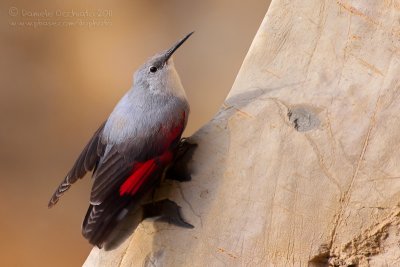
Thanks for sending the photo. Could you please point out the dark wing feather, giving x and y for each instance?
(118, 162)
(86, 161)
(113, 169)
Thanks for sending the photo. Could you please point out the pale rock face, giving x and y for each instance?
(301, 165)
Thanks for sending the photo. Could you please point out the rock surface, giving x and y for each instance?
(301, 165)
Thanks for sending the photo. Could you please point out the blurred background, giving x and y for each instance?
(64, 66)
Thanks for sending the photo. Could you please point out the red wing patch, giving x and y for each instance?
(139, 174)
(141, 171)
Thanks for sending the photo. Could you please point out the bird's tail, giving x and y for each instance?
(101, 219)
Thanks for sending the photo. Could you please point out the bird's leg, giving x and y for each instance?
(167, 211)
(178, 170)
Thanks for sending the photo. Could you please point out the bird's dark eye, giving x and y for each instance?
(153, 69)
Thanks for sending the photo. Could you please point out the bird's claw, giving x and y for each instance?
(167, 211)
(179, 170)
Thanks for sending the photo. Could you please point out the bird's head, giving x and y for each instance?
(158, 75)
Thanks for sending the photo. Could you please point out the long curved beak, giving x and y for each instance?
(170, 51)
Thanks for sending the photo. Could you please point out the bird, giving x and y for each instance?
(132, 149)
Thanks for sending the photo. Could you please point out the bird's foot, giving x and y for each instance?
(167, 211)
(179, 170)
